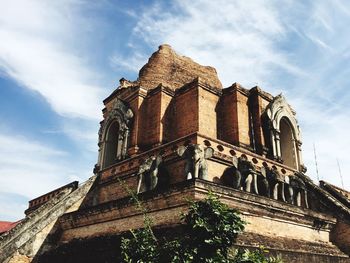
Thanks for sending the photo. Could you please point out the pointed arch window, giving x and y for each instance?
(287, 143)
(285, 134)
(112, 147)
(114, 134)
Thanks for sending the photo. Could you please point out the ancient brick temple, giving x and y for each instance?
(174, 134)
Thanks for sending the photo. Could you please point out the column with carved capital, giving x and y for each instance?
(276, 144)
(125, 143)
(273, 144)
(100, 145)
(121, 139)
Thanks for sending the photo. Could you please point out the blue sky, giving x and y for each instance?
(59, 59)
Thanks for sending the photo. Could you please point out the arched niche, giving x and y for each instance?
(114, 134)
(287, 141)
(111, 149)
(284, 133)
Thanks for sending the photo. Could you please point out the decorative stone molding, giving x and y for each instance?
(275, 111)
(123, 115)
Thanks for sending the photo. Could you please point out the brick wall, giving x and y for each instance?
(186, 112)
(340, 235)
(208, 112)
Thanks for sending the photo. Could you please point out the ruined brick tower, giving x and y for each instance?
(175, 133)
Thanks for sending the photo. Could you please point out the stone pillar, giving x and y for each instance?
(273, 143)
(125, 143)
(120, 144)
(278, 144)
(99, 158)
(299, 155)
(100, 145)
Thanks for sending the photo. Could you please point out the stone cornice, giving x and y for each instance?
(246, 203)
(258, 91)
(121, 92)
(197, 83)
(337, 192)
(236, 87)
(163, 89)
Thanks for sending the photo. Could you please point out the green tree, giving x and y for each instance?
(143, 246)
(211, 228)
(255, 256)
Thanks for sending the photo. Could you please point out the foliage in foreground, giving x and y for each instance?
(211, 228)
(255, 256)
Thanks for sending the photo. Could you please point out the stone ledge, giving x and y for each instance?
(161, 204)
(253, 240)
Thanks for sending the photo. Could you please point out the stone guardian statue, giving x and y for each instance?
(148, 174)
(249, 175)
(196, 164)
(297, 190)
(277, 182)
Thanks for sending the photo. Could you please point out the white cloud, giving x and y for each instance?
(84, 133)
(28, 167)
(236, 37)
(319, 42)
(34, 51)
(327, 129)
(321, 97)
(12, 207)
(40, 50)
(134, 63)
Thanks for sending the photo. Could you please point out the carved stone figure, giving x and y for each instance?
(297, 191)
(249, 175)
(196, 164)
(232, 176)
(148, 174)
(276, 182)
(264, 182)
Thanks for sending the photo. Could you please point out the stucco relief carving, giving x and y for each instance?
(123, 115)
(266, 181)
(196, 164)
(244, 175)
(280, 114)
(276, 183)
(152, 174)
(297, 191)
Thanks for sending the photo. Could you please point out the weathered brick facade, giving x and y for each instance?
(171, 112)
(178, 105)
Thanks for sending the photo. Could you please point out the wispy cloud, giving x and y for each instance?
(30, 168)
(25, 165)
(321, 97)
(33, 53)
(238, 38)
(12, 206)
(42, 50)
(84, 133)
(133, 63)
(319, 42)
